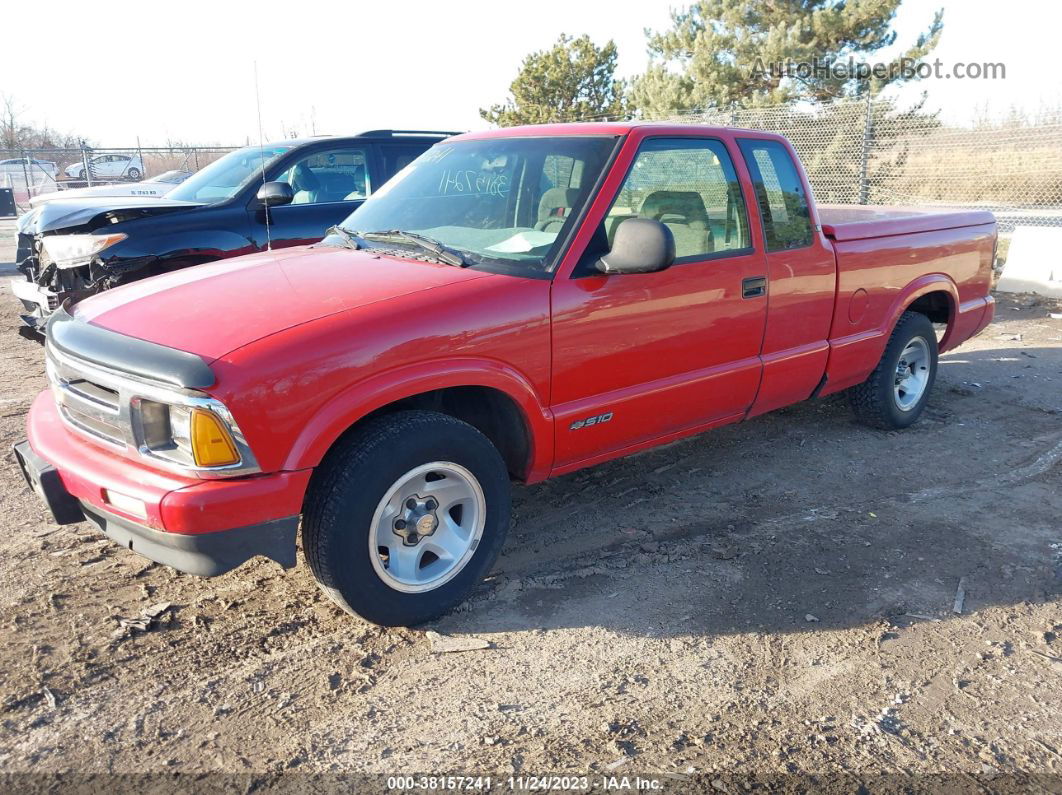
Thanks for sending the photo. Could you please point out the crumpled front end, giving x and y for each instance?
(65, 252)
(43, 286)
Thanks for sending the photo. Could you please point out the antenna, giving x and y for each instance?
(261, 153)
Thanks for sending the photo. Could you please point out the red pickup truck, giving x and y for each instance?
(514, 305)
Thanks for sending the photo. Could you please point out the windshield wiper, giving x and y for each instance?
(444, 254)
(350, 240)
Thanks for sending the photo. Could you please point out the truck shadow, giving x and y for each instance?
(802, 519)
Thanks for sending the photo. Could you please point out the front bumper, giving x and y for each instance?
(203, 527)
(206, 554)
(38, 302)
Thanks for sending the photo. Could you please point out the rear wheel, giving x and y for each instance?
(405, 516)
(134, 174)
(896, 393)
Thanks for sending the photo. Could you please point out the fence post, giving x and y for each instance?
(25, 174)
(85, 163)
(864, 155)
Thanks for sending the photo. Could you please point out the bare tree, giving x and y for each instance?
(15, 133)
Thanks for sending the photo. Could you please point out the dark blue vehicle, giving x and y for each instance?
(276, 195)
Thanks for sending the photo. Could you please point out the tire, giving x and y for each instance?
(134, 174)
(81, 174)
(347, 513)
(885, 400)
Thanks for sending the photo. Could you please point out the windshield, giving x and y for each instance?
(504, 201)
(224, 178)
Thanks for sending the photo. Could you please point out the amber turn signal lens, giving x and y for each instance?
(212, 446)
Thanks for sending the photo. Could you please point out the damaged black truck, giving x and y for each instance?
(274, 195)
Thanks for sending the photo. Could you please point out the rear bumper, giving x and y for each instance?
(203, 527)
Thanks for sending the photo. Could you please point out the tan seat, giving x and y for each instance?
(305, 185)
(684, 213)
(554, 207)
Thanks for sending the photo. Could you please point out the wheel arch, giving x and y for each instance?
(933, 295)
(497, 401)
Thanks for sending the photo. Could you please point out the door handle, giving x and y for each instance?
(754, 287)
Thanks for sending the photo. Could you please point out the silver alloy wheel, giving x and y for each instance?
(912, 374)
(427, 527)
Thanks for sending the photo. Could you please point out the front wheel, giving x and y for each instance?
(405, 516)
(895, 394)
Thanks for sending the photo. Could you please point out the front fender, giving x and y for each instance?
(332, 420)
(179, 249)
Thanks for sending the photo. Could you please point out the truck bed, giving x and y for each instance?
(862, 221)
(890, 257)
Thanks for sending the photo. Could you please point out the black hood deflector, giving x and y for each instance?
(129, 355)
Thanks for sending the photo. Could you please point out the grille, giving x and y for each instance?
(87, 402)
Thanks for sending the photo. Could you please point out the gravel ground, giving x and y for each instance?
(769, 599)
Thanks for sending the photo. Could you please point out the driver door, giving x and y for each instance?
(644, 357)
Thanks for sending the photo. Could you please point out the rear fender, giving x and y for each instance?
(854, 357)
(923, 285)
(338, 415)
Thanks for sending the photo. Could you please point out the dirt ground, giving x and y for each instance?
(768, 599)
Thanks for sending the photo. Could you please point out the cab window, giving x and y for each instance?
(690, 186)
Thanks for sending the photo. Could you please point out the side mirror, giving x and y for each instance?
(642, 245)
(274, 194)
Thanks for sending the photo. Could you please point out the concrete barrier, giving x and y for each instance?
(1034, 262)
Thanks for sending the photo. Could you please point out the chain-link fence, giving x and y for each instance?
(855, 151)
(34, 174)
(871, 152)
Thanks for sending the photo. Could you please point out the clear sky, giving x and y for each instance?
(185, 70)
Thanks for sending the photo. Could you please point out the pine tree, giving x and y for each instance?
(719, 53)
(573, 80)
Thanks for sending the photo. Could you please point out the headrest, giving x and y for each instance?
(686, 204)
(556, 199)
(302, 178)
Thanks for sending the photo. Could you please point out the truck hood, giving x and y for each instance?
(54, 215)
(213, 309)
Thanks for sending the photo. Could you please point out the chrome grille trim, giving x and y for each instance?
(102, 406)
(83, 408)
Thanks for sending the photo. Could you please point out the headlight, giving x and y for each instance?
(70, 251)
(193, 436)
(180, 430)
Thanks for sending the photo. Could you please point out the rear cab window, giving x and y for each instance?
(780, 194)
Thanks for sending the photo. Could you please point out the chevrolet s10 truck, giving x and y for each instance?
(513, 305)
